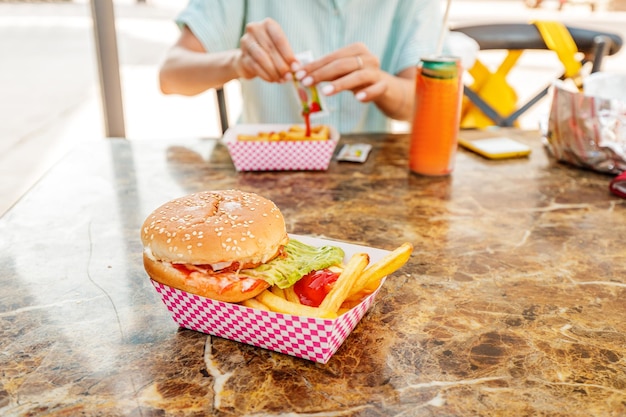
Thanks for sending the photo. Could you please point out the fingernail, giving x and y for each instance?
(288, 76)
(295, 66)
(361, 95)
(300, 74)
(328, 89)
(307, 82)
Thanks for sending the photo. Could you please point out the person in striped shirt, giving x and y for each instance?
(365, 51)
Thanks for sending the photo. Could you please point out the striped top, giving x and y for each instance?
(398, 32)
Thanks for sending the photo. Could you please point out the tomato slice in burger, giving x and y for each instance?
(182, 268)
(312, 288)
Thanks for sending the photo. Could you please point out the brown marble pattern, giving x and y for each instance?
(511, 305)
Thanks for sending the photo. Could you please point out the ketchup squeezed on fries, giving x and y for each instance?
(307, 124)
(307, 108)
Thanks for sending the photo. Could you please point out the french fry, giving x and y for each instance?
(280, 305)
(295, 136)
(348, 305)
(356, 297)
(316, 136)
(290, 295)
(278, 291)
(371, 277)
(343, 310)
(356, 281)
(247, 138)
(321, 130)
(343, 285)
(254, 303)
(293, 133)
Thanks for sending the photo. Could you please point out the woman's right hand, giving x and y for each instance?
(264, 52)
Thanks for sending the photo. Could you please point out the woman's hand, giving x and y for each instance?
(264, 52)
(354, 68)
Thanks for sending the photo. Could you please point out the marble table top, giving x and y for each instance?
(511, 304)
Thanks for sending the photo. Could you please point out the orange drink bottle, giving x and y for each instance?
(438, 93)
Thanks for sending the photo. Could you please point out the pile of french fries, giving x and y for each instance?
(293, 133)
(356, 281)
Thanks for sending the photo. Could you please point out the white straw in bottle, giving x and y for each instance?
(444, 26)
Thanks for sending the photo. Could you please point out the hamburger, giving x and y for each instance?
(228, 245)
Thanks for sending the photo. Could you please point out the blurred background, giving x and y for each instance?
(49, 85)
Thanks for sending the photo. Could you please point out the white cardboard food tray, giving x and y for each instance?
(304, 337)
(305, 155)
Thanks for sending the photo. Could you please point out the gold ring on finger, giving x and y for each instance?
(359, 61)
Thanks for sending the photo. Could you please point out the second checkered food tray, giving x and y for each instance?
(304, 337)
(300, 155)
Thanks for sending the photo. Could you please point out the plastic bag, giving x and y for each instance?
(587, 131)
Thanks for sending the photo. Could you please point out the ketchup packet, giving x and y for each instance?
(354, 152)
(309, 98)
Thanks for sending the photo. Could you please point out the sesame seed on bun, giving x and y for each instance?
(198, 243)
(213, 227)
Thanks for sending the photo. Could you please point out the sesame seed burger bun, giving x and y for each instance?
(211, 227)
(199, 242)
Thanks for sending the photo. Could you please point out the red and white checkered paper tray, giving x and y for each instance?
(301, 155)
(304, 337)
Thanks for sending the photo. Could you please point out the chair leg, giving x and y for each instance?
(490, 94)
(484, 106)
(601, 47)
(510, 120)
(223, 111)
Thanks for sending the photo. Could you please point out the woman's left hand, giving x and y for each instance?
(354, 68)
(351, 68)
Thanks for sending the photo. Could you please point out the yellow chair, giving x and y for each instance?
(490, 100)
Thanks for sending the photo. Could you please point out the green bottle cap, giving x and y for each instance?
(440, 67)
